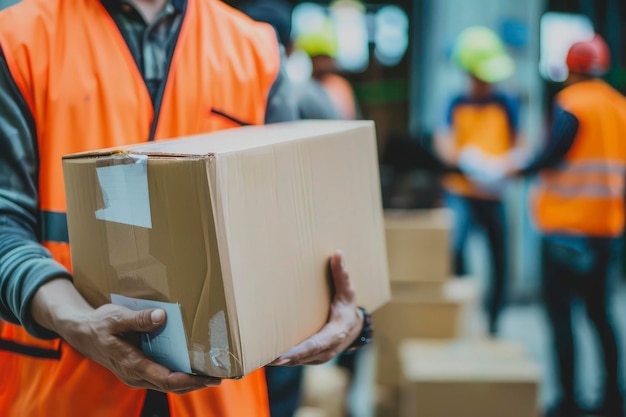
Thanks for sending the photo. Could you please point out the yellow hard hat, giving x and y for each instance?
(479, 51)
(319, 41)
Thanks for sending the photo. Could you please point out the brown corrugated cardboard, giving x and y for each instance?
(413, 314)
(326, 387)
(469, 379)
(310, 412)
(418, 290)
(387, 401)
(400, 320)
(236, 227)
(418, 245)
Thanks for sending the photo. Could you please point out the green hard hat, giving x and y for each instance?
(321, 40)
(479, 51)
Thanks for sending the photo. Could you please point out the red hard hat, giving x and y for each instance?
(589, 57)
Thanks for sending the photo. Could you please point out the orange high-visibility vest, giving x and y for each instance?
(584, 195)
(341, 95)
(485, 126)
(82, 86)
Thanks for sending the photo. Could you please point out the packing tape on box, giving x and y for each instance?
(219, 358)
(124, 187)
(123, 182)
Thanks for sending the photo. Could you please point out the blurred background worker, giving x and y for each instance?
(319, 42)
(481, 125)
(579, 209)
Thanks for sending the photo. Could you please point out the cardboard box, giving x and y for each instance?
(387, 401)
(418, 244)
(442, 312)
(326, 387)
(469, 379)
(418, 290)
(310, 412)
(236, 228)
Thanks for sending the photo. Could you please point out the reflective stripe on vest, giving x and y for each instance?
(32, 351)
(84, 91)
(54, 227)
(586, 179)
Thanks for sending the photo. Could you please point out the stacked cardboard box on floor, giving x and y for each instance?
(418, 245)
(465, 378)
(310, 412)
(324, 391)
(449, 369)
(411, 315)
(426, 302)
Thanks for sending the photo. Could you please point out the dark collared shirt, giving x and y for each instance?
(24, 264)
(150, 43)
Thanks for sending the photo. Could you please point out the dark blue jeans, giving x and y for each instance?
(579, 267)
(283, 388)
(488, 217)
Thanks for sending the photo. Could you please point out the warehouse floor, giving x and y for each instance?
(526, 324)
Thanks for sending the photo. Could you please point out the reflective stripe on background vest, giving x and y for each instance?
(590, 179)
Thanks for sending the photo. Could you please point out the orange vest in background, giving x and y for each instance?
(341, 94)
(486, 126)
(585, 194)
(84, 91)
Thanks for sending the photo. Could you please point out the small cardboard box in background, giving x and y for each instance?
(418, 290)
(310, 412)
(418, 244)
(387, 401)
(326, 387)
(421, 310)
(234, 231)
(469, 379)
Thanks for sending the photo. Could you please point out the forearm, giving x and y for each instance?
(560, 141)
(24, 267)
(56, 304)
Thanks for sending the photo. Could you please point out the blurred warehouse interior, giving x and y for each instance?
(396, 54)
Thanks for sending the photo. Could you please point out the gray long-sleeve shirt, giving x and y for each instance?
(24, 264)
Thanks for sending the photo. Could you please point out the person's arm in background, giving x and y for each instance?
(444, 142)
(37, 292)
(345, 320)
(512, 108)
(282, 105)
(560, 140)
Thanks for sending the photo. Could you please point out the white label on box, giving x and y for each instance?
(168, 345)
(125, 193)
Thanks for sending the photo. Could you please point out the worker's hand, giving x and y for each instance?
(516, 160)
(445, 148)
(109, 335)
(343, 327)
